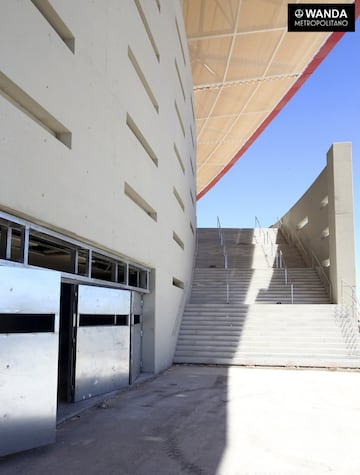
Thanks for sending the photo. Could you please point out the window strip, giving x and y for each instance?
(139, 201)
(56, 22)
(178, 199)
(22, 101)
(142, 140)
(178, 240)
(180, 119)
(192, 167)
(178, 283)
(142, 78)
(147, 29)
(180, 41)
(180, 80)
(180, 160)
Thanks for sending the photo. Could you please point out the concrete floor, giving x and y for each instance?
(211, 421)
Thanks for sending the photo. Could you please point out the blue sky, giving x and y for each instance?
(288, 156)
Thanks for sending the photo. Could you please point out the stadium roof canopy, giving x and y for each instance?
(245, 66)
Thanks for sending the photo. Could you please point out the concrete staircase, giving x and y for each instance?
(253, 329)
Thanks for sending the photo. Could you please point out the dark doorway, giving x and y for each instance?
(67, 342)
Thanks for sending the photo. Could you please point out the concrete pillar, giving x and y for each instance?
(148, 340)
(341, 221)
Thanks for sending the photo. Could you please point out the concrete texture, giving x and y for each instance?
(131, 120)
(212, 420)
(323, 222)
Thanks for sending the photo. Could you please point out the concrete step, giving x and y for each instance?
(273, 361)
(253, 329)
(269, 350)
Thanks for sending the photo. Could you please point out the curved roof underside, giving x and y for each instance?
(245, 67)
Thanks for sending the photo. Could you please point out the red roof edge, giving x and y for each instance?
(333, 39)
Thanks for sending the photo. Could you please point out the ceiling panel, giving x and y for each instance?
(244, 63)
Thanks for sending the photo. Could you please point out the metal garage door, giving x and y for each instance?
(102, 341)
(29, 323)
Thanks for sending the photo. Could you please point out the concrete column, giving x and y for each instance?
(148, 340)
(341, 221)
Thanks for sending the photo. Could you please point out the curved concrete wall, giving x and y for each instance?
(321, 223)
(97, 137)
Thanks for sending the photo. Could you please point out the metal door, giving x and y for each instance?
(29, 325)
(102, 341)
(136, 336)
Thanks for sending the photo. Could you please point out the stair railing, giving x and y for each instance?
(223, 245)
(306, 253)
(324, 277)
(349, 329)
(281, 264)
(265, 239)
(279, 257)
(350, 292)
(261, 231)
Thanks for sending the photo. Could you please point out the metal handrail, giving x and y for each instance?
(308, 252)
(355, 304)
(279, 258)
(258, 224)
(315, 258)
(261, 230)
(281, 264)
(223, 245)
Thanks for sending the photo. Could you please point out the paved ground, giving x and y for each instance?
(212, 421)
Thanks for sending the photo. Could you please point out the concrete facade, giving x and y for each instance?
(98, 138)
(321, 223)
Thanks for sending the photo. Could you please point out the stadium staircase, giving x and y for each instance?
(266, 308)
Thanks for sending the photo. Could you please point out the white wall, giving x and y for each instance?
(80, 191)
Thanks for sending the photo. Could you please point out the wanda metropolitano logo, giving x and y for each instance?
(321, 17)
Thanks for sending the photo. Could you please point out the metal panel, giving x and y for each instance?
(135, 351)
(102, 352)
(29, 291)
(28, 361)
(101, 300)
(137, 303)
(136, 337)
(102, 360)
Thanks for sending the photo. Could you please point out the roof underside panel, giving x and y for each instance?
(244, 63)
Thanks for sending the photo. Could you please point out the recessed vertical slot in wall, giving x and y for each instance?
(136, 198)
(192, 228)
(141, 139)
(180, 160)
(56, 22)
(178, 283)
(192, 137)
(301, 224)
(192, 167)
(147, 29)
(178, 199)
(26, 104)
(192, 108)
(179, 118)
(158, 5)
(143, 79)
(180, 80)
(325, 233)
(178, 240)
(192, 198)
(324, 202)
(180, 41)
